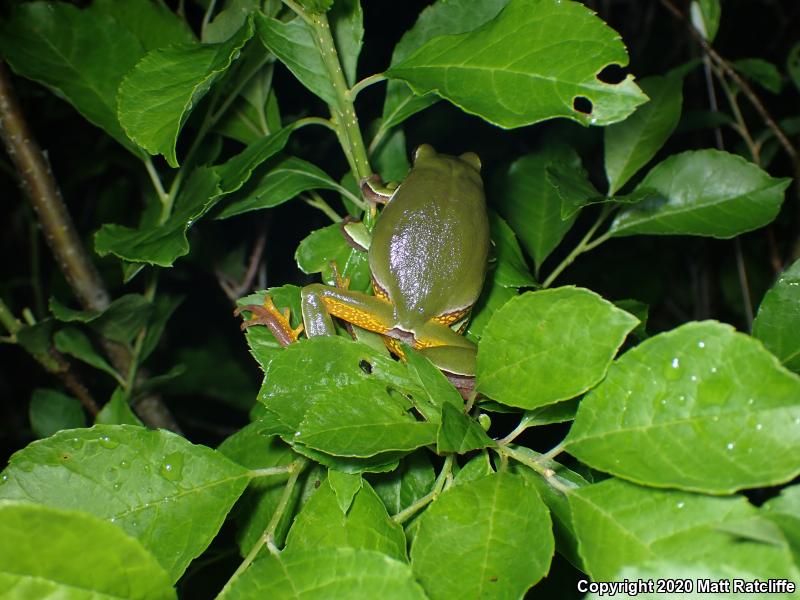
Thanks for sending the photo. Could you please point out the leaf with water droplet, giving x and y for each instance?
(621, 524)
(203, 485)
(45, 552)
(778, 321)
(697, 439)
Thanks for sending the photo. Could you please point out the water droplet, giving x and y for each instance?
(3, 479)
(730, 445)
(76, 443)
(134, 524)
(759, 427)
(297, 434)
(172, 467)
(750, 401)
(715, 418)
(713, 369)
(797, 420)
(107, 442)
(672, 372)
(113, 519)
(681, 504)
(147, 468)
(117, 486)
(124, 464)
(693, 378)
(663, 401)
(701, 344)
(682, 398)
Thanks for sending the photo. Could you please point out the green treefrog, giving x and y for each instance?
(427, 257)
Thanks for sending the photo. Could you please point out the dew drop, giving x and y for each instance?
(124, 464)
(117, 486)
(672, 372)
(107, 442)
(76, 443)
(759, 427)
(750, 401)
(172, 467)
(681, 504)
(693, 378)
(797, 420)
(663, 401)
(676, 363)
(297, 434)
(730, 445)
(701, 344)
(113, 519)
(3, 479)
(713, 369)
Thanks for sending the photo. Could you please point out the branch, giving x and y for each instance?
(40, 188)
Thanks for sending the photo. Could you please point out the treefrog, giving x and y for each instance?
(427, 257)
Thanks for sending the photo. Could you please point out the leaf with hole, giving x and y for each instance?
(534, 61)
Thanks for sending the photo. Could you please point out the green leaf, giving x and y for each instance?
(514, 71)
(228, 21)
(120, 322)
(408, 483)
(74, 342)
(793, 65)
(288, 178)
(760, 71)
(153, 23)
(567, 542)
(631, 144)
(784, 511)
(491, 299)
(80, 55)
(500, 531)
(705, 16)
(778, 320)
(293, 44)
(162, 490)
(163, 244)
(700, 408)
(341, 573)
(554, 413)
(703, 192)
(163, 307)
(253, 450)
(158, 95)
(51, 553)
(638, 309)
(342, 398)
(237, 170)
(117, 411)
(364, 526)
(620, 524)
(547, 346)
(440, 18)
(345, 486)
(347, 22)
(532, 205)
(511, 270)
(458, 433)
(477, 468)
(51, 411)
(328, 245)
(436, 388)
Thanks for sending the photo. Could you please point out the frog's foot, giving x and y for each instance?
(465, 384)
(343, 283)
(269, 315)
(377, 192)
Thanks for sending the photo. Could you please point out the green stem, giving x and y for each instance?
(9, 321)
(155, 179)
(318, 202)
(365, 83)
(268, 537)
(343, 114)
(270, 471)
(314, 121)
(584, 245)
(438, 486)
(517, 431)
(533, 464)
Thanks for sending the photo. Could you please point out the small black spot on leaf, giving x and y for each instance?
(366, 367)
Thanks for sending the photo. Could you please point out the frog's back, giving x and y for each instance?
(430, 244)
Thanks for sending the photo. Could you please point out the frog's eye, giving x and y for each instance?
(471, 159)
(424, 151)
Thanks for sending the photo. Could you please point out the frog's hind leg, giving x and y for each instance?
(319, 302)
(269, 315)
